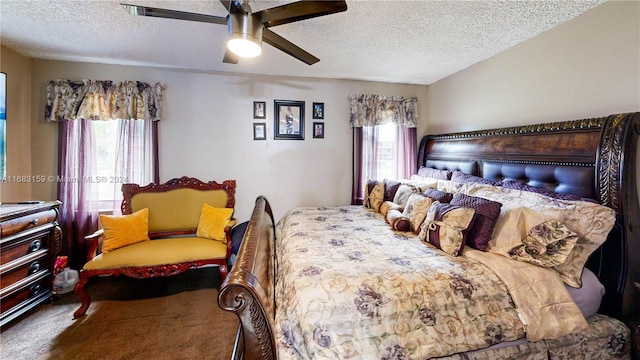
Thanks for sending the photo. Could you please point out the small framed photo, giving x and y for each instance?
(318, 110)
(259, 131)
(318, 130)
(259, 110)
(288, 122)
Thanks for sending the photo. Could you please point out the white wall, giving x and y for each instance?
(586, 67)
(207, 132)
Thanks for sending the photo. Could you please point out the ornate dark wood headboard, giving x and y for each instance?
(592, 158)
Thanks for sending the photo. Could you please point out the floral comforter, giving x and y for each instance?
(349, 287)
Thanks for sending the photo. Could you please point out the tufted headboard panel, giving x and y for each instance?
(468, 167)
(576, 180)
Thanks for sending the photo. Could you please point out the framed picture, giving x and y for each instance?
(259, 131)
(288, 120)
(259, 110)
(318, 130)
(318, 110)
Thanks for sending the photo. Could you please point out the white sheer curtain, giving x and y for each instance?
(134, 156)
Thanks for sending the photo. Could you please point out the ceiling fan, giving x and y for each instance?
(248, 29)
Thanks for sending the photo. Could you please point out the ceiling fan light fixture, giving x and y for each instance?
(246, 35)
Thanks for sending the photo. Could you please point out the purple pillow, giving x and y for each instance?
(459, 176)
(517, 185)
(441, 196)
(487, 212)
(589, 295)
(390, 188)
(434, 173)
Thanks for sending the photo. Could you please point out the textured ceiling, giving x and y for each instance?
(413, 42)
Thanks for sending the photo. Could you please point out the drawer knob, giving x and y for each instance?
(35, 245)
(34, 267)
(36, 289)
(34, 222)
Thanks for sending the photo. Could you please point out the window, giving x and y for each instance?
(123, 155)
(105, 134)
(385, 164)
(382, 152)
(94, 163)
(384, 139)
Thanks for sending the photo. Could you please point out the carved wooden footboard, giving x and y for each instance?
(249, 288)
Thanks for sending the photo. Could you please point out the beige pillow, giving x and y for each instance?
(397, 220)
(213, 221)
(416, 210)
(389, 205)
(446, 227)
(591, 222)
(123, 230)
(403, 193)
(374, 195)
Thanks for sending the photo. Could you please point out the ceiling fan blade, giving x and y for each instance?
(285, 45)
(300, 10)
(232, 6)
(230, 57)
(173, 14)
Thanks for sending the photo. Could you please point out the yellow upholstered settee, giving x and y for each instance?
(174, 240)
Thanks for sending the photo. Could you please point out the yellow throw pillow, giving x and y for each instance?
(124, 230)
(212, 222)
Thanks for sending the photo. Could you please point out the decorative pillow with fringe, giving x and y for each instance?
(446, 227)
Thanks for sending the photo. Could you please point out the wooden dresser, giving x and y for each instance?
(30, 239)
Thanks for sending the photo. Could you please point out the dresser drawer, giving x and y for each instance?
(24, 267)
(27, 222)
(33, 286)
(17, 246)
(30, 238)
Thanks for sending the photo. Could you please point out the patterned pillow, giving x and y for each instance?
(397, 220)
(403, 193)
(459, 176)
(446, 227)
(389, 205)
(592, 222)
(441, 196)
(416, 210)
(374, 195)
(434, 173)
(487, 212)
(390, 188)
(547, 244)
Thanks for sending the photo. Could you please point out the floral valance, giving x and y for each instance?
(103, 100)
(371, 110)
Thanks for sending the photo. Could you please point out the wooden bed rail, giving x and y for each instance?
(249, 289)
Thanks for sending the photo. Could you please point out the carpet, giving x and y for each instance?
(175, 317)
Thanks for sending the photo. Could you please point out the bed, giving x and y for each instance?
(340, 282)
